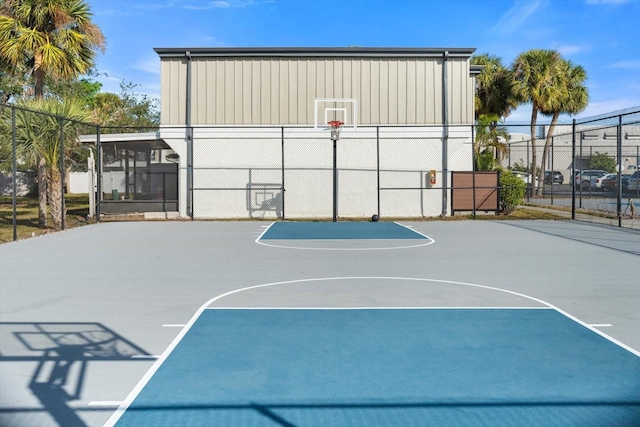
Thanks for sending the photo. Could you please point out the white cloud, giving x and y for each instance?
(212, 41)
(108, 81)
(522, 114)
(625, 64)
(516, 16)
(148, 65)
(607, 1)
(608, 106)
(199, 4)
(219, 4)
(571, 49)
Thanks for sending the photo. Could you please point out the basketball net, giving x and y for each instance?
(336, 127)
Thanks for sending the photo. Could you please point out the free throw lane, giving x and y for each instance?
(382, 367)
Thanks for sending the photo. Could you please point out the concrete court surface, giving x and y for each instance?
(84, 313)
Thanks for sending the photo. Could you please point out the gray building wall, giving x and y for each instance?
(266, 86)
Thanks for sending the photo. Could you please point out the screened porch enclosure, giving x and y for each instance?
(138, 177)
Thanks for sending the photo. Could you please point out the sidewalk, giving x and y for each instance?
(626, 222)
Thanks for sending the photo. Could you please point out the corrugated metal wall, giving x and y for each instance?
(281, 91)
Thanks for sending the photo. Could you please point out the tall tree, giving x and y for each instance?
(536, 81)
(49, 37)
(490, 145)
(12, 80)
(54, 37)
(573, 97)
(38, 130)
(494, 88)
(126, 109)
(83, 88)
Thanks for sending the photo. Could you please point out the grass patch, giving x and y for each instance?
(524, 213)
(27, 216)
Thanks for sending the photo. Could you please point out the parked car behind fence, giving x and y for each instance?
(586, 178)
(598, 182)
(633, 183)
(612, 184)
(553, 177)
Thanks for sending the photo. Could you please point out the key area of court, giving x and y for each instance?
(383, 367)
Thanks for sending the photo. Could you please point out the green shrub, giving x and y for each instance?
(512, 191)
(602, 161)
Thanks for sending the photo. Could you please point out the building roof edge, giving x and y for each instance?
(354, 51)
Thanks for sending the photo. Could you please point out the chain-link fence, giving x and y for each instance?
(38, 150)
(588, 167)
(288, 172)
(41, 151)
(300, 172)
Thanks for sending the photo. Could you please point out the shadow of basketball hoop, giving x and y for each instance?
(61, 353)
(263, 198)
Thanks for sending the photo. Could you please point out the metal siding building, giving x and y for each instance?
(243, 118)
(268, 86)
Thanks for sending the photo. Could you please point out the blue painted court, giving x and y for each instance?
(339, 230)
(390, 367)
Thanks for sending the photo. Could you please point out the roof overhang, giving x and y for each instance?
(131, 141)
(324, 52)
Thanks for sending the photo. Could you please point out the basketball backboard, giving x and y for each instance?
(326, 110)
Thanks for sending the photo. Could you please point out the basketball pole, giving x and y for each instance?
(335, 180)
(335, 136)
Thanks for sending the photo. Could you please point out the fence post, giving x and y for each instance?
(99, 180)
(14, 173)
(579, 181)
(572, 178)
(282, 158)
(619, 170)
(531, 171)
(190, 192)
(552, 168)
(473, 171)
(62, 173)
(378, 166)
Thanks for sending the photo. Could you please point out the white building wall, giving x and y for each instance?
(79, 182)
(229, 160)
(24, 180)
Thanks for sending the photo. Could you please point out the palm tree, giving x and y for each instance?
(12, 80)
(38, 133)
(54, 37)
(490, 145)
(573, 98)
(536, 81)
(494, 89)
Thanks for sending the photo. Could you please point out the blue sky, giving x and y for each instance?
(601, 35)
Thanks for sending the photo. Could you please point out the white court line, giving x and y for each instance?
(415, 231)
(600, 325)
(378, 308)
(108, 403)
(266, 228)
(430, 242)
(154, 368)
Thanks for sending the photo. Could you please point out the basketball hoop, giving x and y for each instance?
(336, 127)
